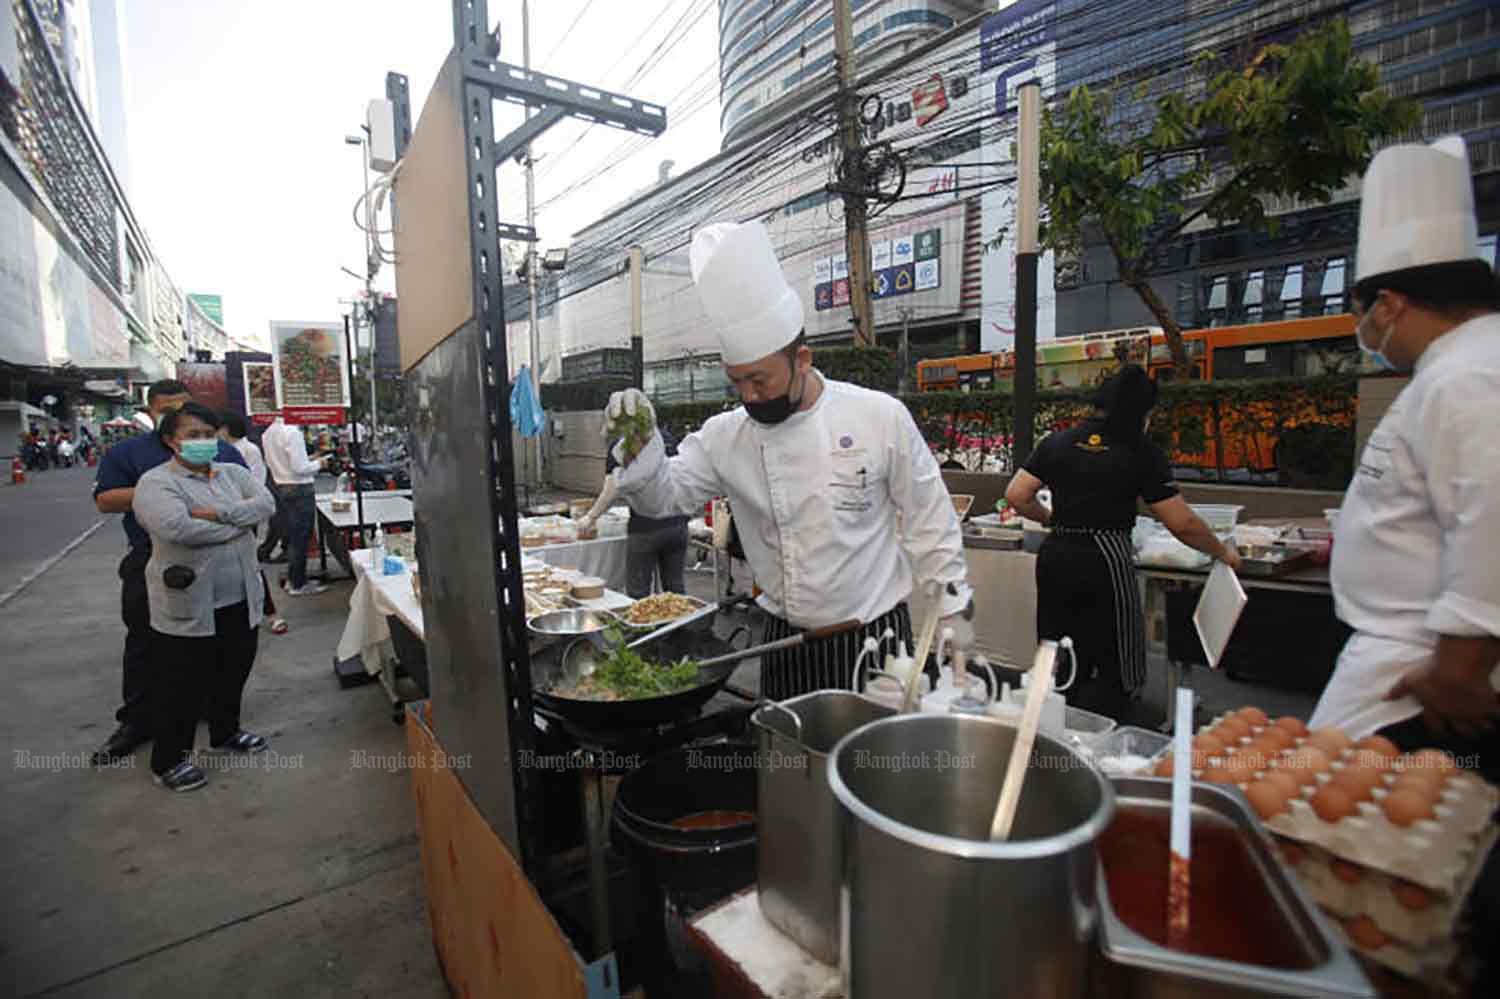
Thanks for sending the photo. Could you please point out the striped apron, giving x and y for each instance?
(826, 663)
(1087, 590)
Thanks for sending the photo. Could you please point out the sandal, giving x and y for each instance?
(278, 626)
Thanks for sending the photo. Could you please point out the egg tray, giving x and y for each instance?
(1428, 964)
(1372, 841)
(1374, 895)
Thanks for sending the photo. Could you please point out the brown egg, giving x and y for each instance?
(1232, 729)
(1365, 934)
(1435, 759)
(1333, 803)
(1255, 716)
(1379, 745)
(1428, 783)
(1277, 738)
(1413, 897)
(1330, 740)
(1406, 806)
(1347, 872)
(1306, 763)
(1266, 798)
(1222, 775)
(1209, 744)
(1371, 759)
(1360, 784)
(1285, 781)
(1249, 761)
(1164, 766)
(1294, 726)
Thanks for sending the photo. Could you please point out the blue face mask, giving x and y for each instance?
(199, 452)
(1376, 354)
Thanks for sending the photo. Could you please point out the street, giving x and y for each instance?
(43, 516)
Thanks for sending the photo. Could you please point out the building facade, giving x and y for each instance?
(773, 54)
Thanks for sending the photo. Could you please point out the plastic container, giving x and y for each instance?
(1128, 751)
(1221, 517)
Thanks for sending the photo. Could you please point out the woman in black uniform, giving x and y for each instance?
(1085, 572)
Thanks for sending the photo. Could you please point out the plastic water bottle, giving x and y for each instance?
(377, 551)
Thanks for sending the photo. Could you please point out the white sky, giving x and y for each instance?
(238, 112)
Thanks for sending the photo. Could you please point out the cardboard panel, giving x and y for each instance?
(493, 935)
(434, 272)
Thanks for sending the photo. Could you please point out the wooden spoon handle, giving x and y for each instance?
(1037, 689)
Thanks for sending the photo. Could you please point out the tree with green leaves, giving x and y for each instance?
(1294, 121)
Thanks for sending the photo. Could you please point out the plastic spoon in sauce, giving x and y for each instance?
(1178, 879)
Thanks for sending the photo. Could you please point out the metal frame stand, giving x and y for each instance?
(485, 80)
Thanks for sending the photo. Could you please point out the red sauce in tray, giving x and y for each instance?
(1233, 914)
(716, 819)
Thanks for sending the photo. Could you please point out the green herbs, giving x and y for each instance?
(634, 430)
(624, 675)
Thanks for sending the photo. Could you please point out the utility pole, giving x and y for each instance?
(534, 474)
(852, 180)
(905, 385)
(1028, 188)
(637, 338)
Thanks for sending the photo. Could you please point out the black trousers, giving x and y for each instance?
(276, 529)
(661, 551)
(135, 611)
(1086, 590)
(193, 675)
(824, 664)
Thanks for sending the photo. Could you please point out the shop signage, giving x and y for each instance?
(898, 266)
(312, 373)
(260, 392)
(925, 103)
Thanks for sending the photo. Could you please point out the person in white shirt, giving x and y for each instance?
(816, 471)
(294, 473)
(235, 431)
(1414, 569)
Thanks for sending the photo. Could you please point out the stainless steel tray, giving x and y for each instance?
(1276, 561)
(1151, 970)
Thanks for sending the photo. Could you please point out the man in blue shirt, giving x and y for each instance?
(114, 489)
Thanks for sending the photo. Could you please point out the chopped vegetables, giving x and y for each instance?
(635, 429)
(623, 675)
(659, 608)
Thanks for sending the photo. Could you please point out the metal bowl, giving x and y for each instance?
(574, 621)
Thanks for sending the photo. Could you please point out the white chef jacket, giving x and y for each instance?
(1414, 553)
(816, 499)
(286, 456)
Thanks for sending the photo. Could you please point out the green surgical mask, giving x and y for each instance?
(199, 452)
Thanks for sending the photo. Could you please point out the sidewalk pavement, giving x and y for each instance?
(298, 875)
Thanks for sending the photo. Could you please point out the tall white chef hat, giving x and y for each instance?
(754, 311)
(1417, 209)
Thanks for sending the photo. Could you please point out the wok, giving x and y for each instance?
(642, 712)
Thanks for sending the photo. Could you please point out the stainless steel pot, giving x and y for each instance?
(798, 866)
(933, 908)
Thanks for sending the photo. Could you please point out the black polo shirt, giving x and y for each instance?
(1096, 478)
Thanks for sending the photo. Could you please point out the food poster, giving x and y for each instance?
(312, 374)
(208, 383)
(260, 393)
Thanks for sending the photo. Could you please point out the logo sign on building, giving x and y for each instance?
(312, 373)
(929, 100)
(929, 244)
(840, 266)
(822, 270)
(387, 340)
(926, 275)
(903, 251)
(212, 306)
(260, 392)
(841, 292)
(880, 254)
(883, 284)
(1017, 45)
(905, 279)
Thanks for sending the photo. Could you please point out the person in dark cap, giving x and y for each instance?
(1085, 571)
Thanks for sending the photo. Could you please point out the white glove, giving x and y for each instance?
(627, 402)
(961, 630)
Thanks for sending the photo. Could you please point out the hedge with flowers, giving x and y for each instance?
(1300, 428)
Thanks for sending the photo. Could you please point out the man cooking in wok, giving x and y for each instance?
(816, 472)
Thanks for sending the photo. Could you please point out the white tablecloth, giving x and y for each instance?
(383, 507)
(366, 633)
(604, 558)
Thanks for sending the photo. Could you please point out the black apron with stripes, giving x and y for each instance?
(1087, 590)
(827, 663)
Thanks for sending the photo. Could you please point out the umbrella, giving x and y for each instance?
(525, 411)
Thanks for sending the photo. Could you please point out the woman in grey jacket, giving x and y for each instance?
(205, 592)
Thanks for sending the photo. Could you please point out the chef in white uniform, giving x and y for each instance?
(816, 472)
(1416, 571)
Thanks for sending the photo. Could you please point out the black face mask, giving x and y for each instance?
(775, 411)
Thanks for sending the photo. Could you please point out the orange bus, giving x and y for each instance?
(1290, 348)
